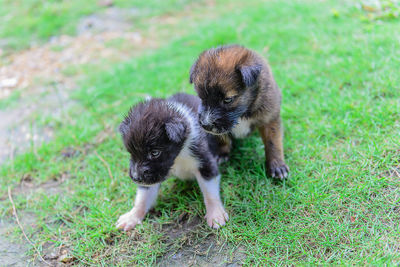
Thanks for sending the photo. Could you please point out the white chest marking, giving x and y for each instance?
(185, 165)
(242, 128)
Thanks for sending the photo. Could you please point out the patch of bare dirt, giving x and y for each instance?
(14, 252)
(189, 242)
(51, 187)
(112, 19)
(19, 128)
(48, 61)
(195, 250)
(58, 256)
(91, 45)
(206, 253)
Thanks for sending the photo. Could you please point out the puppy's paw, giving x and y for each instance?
(128, 221)
(277, 169)
(216, 216)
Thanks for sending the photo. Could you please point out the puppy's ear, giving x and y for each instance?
(193, 72)
(176, 130)
(249, 74)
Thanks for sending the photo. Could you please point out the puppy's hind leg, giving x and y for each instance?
(216, 215)
(145, 199)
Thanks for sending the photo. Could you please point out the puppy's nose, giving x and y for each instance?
(135, 178)
(202, 120)
(207, 127)
(146, 173)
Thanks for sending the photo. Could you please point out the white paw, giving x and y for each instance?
(128, 221)
(216, 216)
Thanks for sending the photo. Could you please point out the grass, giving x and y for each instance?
(10, 100)
(23, 22)
(341, 103)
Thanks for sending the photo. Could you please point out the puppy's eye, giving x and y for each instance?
(155, 154)
(228, 100)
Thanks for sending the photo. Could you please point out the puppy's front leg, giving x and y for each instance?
(271, 135)
(216, 215)
(225, 146)
(145, 199)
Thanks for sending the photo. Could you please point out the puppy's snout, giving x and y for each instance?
(207, 127)
(202, 122)
(133, 170)
(146, 173)
(135, 178)
(133, 174)
(205, 118)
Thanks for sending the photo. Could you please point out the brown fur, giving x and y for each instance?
(237, 71)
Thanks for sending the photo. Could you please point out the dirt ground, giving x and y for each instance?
(14, 252)
(195, 252)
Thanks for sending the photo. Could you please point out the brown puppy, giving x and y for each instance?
(238, 94)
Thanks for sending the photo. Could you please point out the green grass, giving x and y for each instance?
(25, 21)
(341, 101)
(11, 100)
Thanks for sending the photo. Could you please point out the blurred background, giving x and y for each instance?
(70, 70)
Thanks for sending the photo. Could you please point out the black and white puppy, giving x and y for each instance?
(164, 139)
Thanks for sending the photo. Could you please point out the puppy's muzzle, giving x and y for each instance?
(139, 177)
(206, 119)
(207, 127)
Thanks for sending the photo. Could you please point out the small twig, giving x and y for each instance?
(105, 164)
(12, 156)
(22, 229)
(398, 174)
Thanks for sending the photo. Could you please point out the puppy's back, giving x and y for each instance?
(191, 101)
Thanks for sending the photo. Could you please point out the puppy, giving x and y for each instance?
(238, 94)
(163, 138)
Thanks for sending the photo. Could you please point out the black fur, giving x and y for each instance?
(153, 126)
(224, 117)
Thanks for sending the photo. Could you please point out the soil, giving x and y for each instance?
(207, 253)
(19, 128)
(199, 252)
(14, 252)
